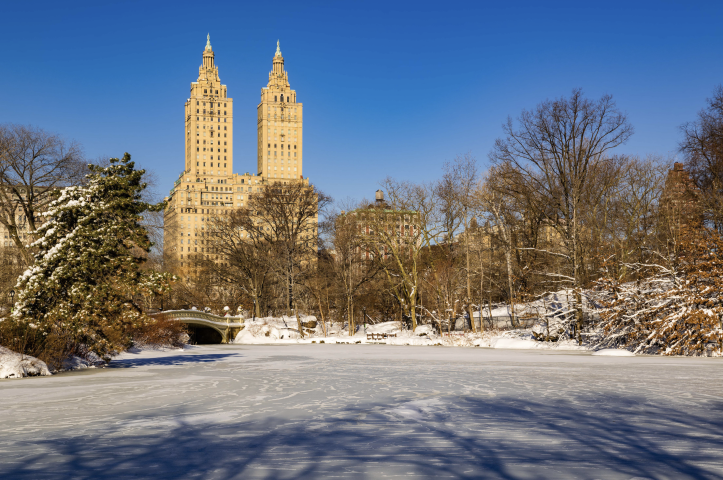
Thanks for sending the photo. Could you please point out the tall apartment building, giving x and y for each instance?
(208, 186)
(280, 126)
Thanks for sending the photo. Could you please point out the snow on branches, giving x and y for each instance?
(677, 309)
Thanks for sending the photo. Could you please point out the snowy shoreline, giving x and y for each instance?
(284, 331)
(273, 330)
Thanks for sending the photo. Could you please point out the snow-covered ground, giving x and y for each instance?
(367, 411)
(14, 365)
(284, 331)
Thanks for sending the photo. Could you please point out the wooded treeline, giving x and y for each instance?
(560, 207)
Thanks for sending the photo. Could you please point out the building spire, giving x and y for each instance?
(208, 42)
(278, 49)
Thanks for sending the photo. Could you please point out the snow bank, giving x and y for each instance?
(614, 352)
(386, 327)
(14, 365)
(277, 330)
(77, 363)
(284, 330)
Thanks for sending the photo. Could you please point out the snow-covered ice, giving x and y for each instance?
(614, 352)
(368, 411)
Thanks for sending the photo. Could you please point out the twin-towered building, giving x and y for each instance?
(208, 186)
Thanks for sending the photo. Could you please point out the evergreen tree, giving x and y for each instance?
(80, 291)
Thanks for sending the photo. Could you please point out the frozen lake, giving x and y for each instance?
(368, 411)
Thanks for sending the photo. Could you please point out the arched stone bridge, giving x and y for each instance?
(228, 327)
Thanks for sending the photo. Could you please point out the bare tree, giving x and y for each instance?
(491, 202)
(702, 146)
(632, 229)
(353, 265)
(284, 220)
(456, 190)
(409, 222)
(556, 153)
(243, 253)
(33, 165)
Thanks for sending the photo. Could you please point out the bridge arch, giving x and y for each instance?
(202, 334)
(225, 327)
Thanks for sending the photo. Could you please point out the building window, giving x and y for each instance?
(224, 105)
(205, 91)
(275, 99)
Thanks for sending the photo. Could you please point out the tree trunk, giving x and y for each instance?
(350, 315)
(576, 275)
(298, 322)
(413, 310)
(469, 280)
(481, 290)
(508, 258)
(489, 292)
(321, 312)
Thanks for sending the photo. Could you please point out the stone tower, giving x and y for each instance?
(280, 120)
(680, 201)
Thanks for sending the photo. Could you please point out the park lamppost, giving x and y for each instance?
(12, 299)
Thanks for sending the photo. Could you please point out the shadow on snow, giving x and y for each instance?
(180, 359)
(458, 437)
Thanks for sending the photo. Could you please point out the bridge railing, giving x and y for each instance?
(199, 315)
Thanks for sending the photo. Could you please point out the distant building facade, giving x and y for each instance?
(680, 201)
(380, 226)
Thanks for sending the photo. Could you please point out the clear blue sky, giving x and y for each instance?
(389, 88)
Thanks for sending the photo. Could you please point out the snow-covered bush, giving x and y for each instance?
(677, 310)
